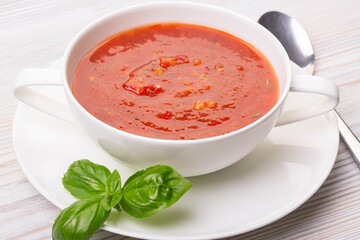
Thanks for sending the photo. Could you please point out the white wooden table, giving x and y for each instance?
(35, 33)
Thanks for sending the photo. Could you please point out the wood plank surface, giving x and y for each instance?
(34, 33)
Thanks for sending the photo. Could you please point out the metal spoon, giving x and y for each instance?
(299, 48)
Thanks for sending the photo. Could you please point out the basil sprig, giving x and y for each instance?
(145, 193)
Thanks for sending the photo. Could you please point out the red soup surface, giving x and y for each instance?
(175, 81)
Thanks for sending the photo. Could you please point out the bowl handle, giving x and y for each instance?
(29, 77)
(310, 84)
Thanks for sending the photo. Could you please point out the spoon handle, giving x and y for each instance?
(350, 140)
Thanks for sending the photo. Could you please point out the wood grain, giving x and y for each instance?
(35, 33)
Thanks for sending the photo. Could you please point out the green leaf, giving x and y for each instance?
(149, 191)
(118, 207)
(110, 201)
(113, 191)
(113, 183)
(80, 220)
(85, 179)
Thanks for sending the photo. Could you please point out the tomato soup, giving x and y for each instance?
(175, 81)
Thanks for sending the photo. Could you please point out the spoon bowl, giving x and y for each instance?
(292, 36)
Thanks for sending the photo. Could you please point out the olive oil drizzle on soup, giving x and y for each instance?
(175, 81)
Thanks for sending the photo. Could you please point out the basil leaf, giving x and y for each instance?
(118, 207)
(110, 201)
(80, 220)
(85, 179)
(113, 191)
(149, 191)
(113, 183)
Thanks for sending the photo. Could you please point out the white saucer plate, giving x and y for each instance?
(276, 178)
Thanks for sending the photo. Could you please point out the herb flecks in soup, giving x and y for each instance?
(176, 81)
